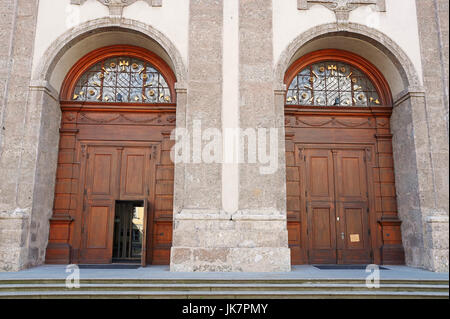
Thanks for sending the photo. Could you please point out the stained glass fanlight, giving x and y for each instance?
(122, 79)
(332, 83)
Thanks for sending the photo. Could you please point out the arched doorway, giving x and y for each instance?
(339, 165)
(114, 182)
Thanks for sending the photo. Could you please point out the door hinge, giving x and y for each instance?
(369, 231)
(371, 254)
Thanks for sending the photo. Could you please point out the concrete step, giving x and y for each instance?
(225, 294)
(207, 287)
(122, 281)
(226, 288)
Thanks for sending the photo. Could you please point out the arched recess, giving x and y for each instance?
(114, 153)
(341, 199)
(48, 77)
(409, 137)
(91, 35)
(44, 112)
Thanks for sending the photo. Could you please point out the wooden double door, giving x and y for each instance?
(336, 201)
(111, 174)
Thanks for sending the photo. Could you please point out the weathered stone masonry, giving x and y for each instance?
(206, 237)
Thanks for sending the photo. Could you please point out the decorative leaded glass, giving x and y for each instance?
(122, 79)
(332, 83)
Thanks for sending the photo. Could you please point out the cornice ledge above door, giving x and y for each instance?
(342, 8)
(116, 6)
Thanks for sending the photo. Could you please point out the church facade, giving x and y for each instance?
(238, 135)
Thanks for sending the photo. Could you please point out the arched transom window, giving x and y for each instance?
(122, 79)
(332, 83)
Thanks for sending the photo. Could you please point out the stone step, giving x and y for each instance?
(122, 281)
(226, 288)
(226, 294)
(223, 287)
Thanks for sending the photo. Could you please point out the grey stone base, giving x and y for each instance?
(217, 241)
(437, 243)
(13, 237)
(260, 259)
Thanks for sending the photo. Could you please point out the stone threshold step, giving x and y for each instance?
(217, 287)
(221, 281)
(225, 294)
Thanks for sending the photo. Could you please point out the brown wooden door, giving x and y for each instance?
(99, 204)
(320, 206)
(112, 173)
(352, 207)
(336, 201)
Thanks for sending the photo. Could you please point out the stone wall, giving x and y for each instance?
(433, 16)
(208, 237)
(18, 152)
(249, 232)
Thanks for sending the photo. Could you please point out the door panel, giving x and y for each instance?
(101, 172)
(352, 207)
(162, 239)
(98, 231)
(351, 181)
(134, 173)
(336, 203)
(354, 227)
(322, 237)
(319, 176)
(97, 227)
(98, 204)
(320, 206)
(322, 234)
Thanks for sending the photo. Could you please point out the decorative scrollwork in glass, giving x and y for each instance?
(332, 83)
(122, 80)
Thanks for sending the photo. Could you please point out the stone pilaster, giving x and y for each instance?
(433, 26)
(19, 129)
(414, 179)
(198, 185)
(206, 236)
(262, 194)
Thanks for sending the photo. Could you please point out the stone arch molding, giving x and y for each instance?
(378, 39)
(63, 43)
